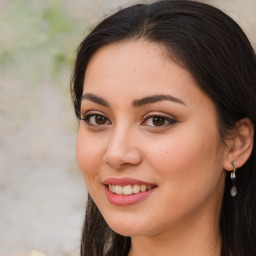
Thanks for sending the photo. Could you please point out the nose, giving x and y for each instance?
(122, 150)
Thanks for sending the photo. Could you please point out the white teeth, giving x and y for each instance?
(136, 189)
(118, 190)
(128, 189)
(143, 188)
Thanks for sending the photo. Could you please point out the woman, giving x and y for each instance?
(166, 98)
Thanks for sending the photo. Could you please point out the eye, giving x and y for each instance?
(96, 119)
(158, 121)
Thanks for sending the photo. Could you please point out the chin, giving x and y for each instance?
(129, 228)
(129, 232)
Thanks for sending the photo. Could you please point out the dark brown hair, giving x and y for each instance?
(221, 59)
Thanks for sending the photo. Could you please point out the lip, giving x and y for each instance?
(126, 181)
(126, 200)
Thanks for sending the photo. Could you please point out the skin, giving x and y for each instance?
(183, 157)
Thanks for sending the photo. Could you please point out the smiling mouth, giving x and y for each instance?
(129, 189)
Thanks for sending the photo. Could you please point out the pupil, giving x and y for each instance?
(158, 121)
(100, 119)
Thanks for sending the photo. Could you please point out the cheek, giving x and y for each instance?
(88, 154)
(186, 159)
(189, 174)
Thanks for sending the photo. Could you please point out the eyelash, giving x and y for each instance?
(165, 120)
(87, 118)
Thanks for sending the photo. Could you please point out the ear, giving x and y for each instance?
(239, 147)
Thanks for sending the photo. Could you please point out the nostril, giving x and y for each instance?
(120, 159)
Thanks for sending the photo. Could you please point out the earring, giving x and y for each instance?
(233, 190)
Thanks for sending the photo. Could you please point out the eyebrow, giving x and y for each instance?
(156, 98)
(136, 103)
(96, 99)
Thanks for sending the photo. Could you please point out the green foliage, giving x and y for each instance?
(37, 38)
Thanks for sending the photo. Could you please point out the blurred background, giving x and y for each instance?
(42, 193)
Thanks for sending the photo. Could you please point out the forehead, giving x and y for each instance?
(130, 55)
(137, 68)
(131, 60)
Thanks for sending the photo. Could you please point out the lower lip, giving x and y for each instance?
(122, 200)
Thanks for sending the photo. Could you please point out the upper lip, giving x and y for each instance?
(126, 181)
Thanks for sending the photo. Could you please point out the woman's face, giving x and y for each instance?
(148, 145)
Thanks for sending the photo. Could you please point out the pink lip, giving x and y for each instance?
(125, 200)
(126, 181)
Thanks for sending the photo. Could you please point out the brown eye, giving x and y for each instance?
(158, 121)
(100, 119)
(96, 120)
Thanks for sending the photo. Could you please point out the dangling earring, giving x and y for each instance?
(233, 190)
